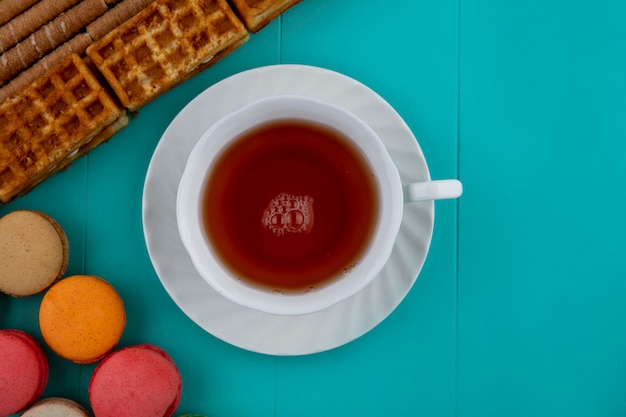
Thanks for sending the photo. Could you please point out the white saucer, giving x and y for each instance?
(250, 329)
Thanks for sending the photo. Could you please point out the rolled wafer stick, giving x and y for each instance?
(115, 17)
(32, 19)
(48, 37)
(11, 8)
(78, 44)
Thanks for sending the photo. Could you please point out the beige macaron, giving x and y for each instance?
(34, 252)
(56, 407)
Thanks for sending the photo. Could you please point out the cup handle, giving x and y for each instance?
(432, 190)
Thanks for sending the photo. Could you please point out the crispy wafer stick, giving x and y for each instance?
(48, 37)
(115, 17)
(32, 19)
(11, 8)
(78, 44)
(95, 30)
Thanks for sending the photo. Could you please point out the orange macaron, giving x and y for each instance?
(82, 318)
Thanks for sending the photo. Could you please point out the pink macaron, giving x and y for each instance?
(138, 381)
(23, 371)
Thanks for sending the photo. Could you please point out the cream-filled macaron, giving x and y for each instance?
(23, 371)
(139, 380)
(82, 318)
(56, 407)
(34, 252)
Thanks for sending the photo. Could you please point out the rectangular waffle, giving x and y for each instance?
(162, 45)
(104, 135)
(45, 123)
(256, 14)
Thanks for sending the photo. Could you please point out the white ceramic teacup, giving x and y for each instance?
(391, 195)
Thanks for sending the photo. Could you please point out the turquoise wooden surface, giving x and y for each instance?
(520, 307)
(541, 229)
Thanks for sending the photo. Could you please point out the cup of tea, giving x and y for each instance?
(290, 205)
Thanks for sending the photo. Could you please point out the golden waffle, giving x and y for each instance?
(45, 123)
(164, 43)
(104, 135)
(256, 14)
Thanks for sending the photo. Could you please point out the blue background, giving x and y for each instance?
(520, 308)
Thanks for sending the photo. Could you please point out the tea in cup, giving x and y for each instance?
(291, 205)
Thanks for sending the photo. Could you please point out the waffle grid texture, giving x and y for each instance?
(48, 121)
(158, 47)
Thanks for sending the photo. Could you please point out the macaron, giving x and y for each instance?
(139, 381)
(23, 371)
(34, 252)
(82, 318)
(56, 407)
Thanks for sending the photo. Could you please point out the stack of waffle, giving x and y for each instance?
(70, 70)
(54, 120)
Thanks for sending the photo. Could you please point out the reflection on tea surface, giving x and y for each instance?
(290, 205)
